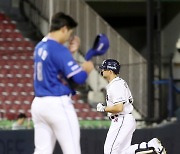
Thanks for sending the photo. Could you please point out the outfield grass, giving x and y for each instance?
(6, 124)
(94, 123)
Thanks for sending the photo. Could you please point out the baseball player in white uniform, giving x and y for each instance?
(119, 109)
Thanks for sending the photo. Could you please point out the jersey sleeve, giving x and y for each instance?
(67, 64)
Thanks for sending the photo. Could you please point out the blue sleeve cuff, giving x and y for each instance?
(80, 78)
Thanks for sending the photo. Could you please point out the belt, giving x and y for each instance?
(113, 117)
(116, 115)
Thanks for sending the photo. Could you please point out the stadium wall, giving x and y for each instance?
(92, 140)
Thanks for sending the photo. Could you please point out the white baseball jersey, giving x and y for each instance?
(123, 125)
(118, 92)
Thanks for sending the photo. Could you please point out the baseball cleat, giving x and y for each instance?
(144, 149)
(159, 149)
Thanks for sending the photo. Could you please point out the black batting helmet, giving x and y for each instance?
(110, 64)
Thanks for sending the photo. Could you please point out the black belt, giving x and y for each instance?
(116, 115)
(113, 116)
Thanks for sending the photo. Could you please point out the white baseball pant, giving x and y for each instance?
(119, 136)
(55, 118)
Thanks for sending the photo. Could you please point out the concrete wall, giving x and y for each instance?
(92, 140)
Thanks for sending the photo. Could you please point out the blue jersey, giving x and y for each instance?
(53, 66)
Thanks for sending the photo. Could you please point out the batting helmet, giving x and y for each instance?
(111, 64)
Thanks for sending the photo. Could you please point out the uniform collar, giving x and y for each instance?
(115, 79)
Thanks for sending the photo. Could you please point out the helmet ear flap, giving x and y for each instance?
(101, 73)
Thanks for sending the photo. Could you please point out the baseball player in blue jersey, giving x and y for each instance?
(53, 114)
(119, 108)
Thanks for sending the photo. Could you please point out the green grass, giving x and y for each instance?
(85, 124)
(94, 123)
(5, 124)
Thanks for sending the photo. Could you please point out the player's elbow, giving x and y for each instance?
(80, 78)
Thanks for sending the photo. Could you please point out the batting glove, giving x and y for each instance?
(101, 107)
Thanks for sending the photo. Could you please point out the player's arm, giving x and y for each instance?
(88, 66)
(118, 107)
(118, 101)
(79, 78)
